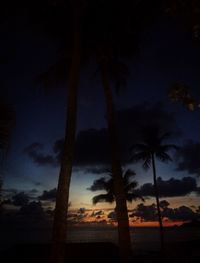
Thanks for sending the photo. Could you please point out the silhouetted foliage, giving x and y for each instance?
(107, 184)
(152, 146)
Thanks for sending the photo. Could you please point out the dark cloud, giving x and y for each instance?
(32, 208)
(37, 183)
(82, 210)
(92, 146)
(170, 188)
(33, 151)
(112, 216)
(8, 193)
(33, 191)
(181, 213)
(188, 158)
(78, 216)
(48, 195)
(16, 198)
(145, 212)
(97, 213)
(149, 212)
(6, 202)
(131, 120)
(101, 169)
(20, 199)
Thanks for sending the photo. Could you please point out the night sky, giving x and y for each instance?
(167, 54)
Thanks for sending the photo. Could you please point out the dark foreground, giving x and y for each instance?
(182, 252)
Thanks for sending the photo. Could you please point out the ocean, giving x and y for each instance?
(142, 238)
(146, 238)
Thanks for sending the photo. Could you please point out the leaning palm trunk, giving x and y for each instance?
(121, 206)
(158, 204)
(62, 198)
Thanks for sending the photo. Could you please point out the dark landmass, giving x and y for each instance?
(195, 223)
(183, 252)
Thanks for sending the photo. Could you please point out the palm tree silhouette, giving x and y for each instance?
(99, 30)
(107, 184)
(104, 62)
(112, 69)
(151, 147)
(62, 19)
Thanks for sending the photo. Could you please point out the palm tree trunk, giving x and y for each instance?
(121, 206)
(158, 204)
(62, 198)
(1, 184)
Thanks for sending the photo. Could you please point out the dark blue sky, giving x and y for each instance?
(167, 54)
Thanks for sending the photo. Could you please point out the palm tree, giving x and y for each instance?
(62, 198)
(151, 147)
(65, 175)
(97, 27)
(62, 20)
(120, 195)
(108, 185)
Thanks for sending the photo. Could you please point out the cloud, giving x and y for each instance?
(92, 145)
(48, 195)
(20, 199)
(78, 216)
(149, 212)
(9, 192)
(170, 188)
(36, 183)
(82, 210)
(145, 212)
(183, 213)
(33, 151)
(97, 213)
(112, 216)
(16, 198)
(101, 169)
(91, 148)
(32, 208)
(188, 158)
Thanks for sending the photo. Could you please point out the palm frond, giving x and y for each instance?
(108, 186)
(147, 163)
(55, 74)
(138, 147)
(109, 198)
(144, 157)
(165, 136)
(162, 152)
(132, 196)
(128, 175)
(164, 157)
(99, 184)
(131, 186)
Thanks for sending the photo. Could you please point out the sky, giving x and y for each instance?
(167, 54)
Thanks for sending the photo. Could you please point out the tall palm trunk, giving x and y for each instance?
(121, 206)
(62, 198)
(157, 203)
